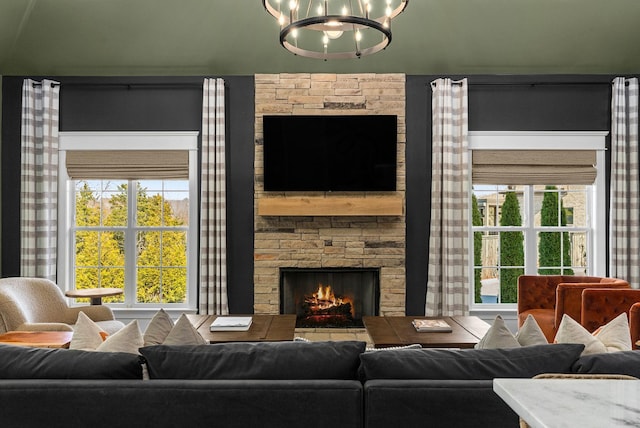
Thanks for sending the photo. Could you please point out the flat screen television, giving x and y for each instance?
(330, 153)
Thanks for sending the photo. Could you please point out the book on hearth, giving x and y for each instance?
(224, 323)
(434, 325)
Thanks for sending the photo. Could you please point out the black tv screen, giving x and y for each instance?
(330, 153)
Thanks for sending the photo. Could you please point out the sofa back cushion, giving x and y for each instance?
(626, 363)
(469, 364)
(17, 362)
(259, 360)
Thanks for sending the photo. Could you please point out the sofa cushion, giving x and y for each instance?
(17, 362)
(158, 329)
(625, 362)
(469, 364)
(127, 339)
(499, 335)
(88, 336)
(184, 333)
(530, 333)
(612, 337)
(263, 360)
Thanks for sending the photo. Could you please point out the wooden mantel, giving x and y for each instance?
(331, 206)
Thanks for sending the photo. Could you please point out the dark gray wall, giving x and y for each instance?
(496, 103)
(556, 103)
(145, 104)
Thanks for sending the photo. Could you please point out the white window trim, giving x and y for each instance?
(123, 140)
(549, 140)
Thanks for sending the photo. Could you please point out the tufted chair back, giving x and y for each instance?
(569, 296)
(548, 297)
(601, 306)
(634, 324)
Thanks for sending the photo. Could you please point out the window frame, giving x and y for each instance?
(172, 140)
(596, 199)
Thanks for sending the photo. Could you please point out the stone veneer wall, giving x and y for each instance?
(339, 241)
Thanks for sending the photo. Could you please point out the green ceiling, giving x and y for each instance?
(238, 37)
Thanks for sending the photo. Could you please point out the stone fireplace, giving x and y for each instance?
(329, 297)
(327, 239)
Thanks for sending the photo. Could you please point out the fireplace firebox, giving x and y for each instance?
(329, 297)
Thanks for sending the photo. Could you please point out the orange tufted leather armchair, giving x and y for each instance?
(634, 324)
(601, 306)
(549, 297)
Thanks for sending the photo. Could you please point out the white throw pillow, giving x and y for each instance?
(612, 337)
(499, 335)
(127, 339)
(530, 333)
(184, 333)
(87, 337)
(86, 334)
(158, 329)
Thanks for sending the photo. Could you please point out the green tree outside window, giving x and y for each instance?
(553, 254)
(477, 249)
(161, 253)
(511, 249)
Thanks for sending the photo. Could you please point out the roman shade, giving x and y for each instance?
(523, 167)
(127, 164)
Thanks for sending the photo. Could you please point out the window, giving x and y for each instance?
(524, 219)
(128, 216)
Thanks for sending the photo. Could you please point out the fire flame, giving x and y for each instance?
(323, 307)
(325, 298)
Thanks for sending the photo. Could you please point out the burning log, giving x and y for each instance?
(342, 309)
(325, 308)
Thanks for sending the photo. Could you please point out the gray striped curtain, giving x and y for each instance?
(448, 278)
(39, 179)
(213, 219)
(625, 195)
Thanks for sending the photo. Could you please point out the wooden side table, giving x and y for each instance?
(95, 294)
(37, 339)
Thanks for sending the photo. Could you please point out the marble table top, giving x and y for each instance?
(584, 403)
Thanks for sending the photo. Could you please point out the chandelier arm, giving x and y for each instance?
(308, 9)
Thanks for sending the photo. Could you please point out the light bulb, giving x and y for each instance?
(294, 33)
(332, 34)
(344, 10)
(325, 40)
(358, 36)
(320, 10)
(293, 4)
(388, 11)
(281, 20)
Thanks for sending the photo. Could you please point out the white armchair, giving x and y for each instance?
(37, 304)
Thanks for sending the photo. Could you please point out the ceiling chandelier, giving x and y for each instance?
(334, 29)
